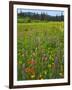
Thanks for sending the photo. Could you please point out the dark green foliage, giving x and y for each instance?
(40, 17)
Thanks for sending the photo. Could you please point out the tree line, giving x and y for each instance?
(40, 17)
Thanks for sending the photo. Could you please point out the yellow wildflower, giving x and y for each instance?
(49, 66)
(60, 74)
(41, 78)
(45, 72)
(40, 75)
(20, 62)
(32, 76)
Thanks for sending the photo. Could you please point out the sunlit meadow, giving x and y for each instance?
(40, 50)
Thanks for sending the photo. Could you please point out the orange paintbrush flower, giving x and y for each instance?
(30, 70)
(32, 62)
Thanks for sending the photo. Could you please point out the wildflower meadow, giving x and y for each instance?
(40, 49)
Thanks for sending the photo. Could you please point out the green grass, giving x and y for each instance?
(40, 50)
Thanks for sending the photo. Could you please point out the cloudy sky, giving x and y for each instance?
(39, 11)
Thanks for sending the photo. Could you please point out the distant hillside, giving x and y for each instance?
(39, 17)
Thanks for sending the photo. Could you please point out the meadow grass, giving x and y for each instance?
(40, 50)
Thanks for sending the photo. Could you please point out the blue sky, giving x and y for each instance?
(39, 11)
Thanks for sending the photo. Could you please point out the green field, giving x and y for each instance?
(40, 50)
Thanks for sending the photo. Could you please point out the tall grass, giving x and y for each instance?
(40, 50)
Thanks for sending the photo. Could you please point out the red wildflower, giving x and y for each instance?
(32, 62)
(30, 70)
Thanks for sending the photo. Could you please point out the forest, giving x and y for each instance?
(36, 17)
